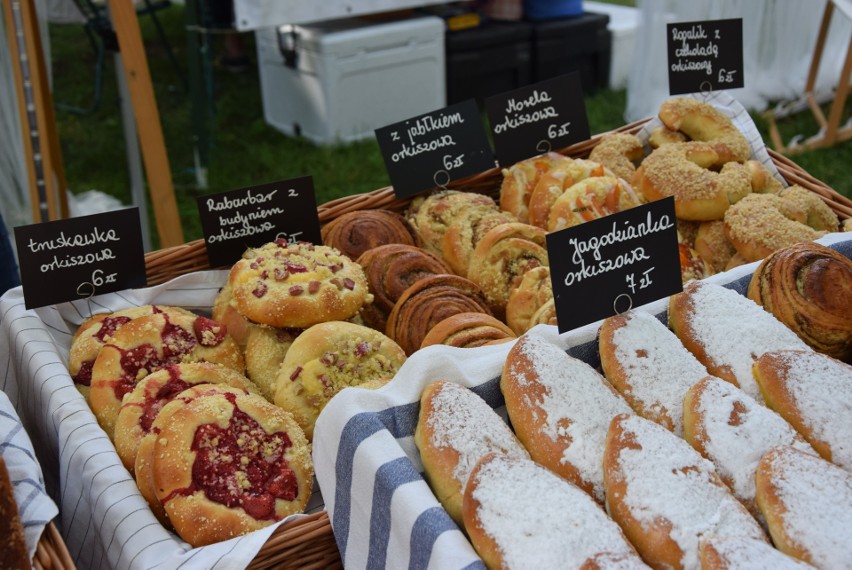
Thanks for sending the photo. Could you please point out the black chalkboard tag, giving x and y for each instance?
(236, 220)
(433, 149)
(76, 258)
(705, 56)
(610, 265)
(535, 119)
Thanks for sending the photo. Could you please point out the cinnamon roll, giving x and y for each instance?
(808, 287)
(355, 232)
(428, 302)
(468, 330)
(390, 270)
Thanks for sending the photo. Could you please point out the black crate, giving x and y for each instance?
(581, 43)
(490, 59)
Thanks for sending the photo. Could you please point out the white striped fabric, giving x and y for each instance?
(381, 509)
(105, 521)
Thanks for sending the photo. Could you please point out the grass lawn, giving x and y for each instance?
(246, 151)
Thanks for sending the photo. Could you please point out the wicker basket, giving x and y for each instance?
(164, 264)
(308, 542)
(51, 552)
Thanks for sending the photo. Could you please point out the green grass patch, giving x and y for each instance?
(246, 150)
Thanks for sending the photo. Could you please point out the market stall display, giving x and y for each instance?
(385, 417)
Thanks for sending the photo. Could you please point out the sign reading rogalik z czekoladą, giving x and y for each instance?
(77, 258)
(249, 217)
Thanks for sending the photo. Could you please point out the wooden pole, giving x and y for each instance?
(148, 125)
(45, 171)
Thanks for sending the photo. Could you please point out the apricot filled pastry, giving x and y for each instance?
(520, 180)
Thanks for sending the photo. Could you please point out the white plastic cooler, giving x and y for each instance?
(337, 81)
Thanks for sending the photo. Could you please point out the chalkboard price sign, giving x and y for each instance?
(610, 265)
(249, 217)
(705, 56)
(77, 258)
(433, 149)
(535, 119)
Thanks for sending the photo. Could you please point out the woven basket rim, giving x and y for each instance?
(51, 551)
(164, 264)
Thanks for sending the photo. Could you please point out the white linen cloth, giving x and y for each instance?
(103, 518)
(381, 509)
(35, 508)
(778, 42)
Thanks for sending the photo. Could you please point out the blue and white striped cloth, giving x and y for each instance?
(103, 518)
(35, 507)
(382, 510)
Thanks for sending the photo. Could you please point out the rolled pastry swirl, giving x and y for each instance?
(355, 232)
(468, 330)
(808, 287)
(390, 270)
(428, 302)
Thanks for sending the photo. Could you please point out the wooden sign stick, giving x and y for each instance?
(148, 124)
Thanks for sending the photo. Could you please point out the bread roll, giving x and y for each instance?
(454, 430)
(13, 545)
(560, 408)
(649, 366)
(521, 515)
(813, 392)
(807, 503)
(727, 332)
(666, 496)
(735, 552)
(733, 430)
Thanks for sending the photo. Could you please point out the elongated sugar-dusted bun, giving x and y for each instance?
(727, 332)
(665, 496)
(325, 359)
(228, 464)
(297, 285)
(454, 430)
(649, 366)
(149, 343)
(520, 515)
(737, 552)
(813, 392)
(807, 503)
(560, 408)
(733, 430)
(140, 407)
